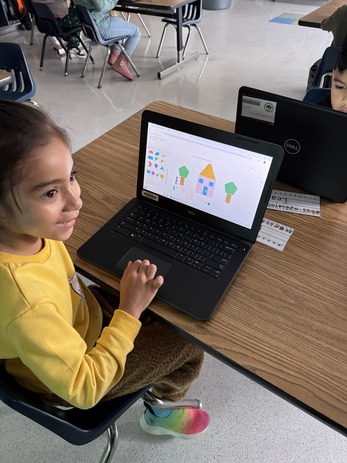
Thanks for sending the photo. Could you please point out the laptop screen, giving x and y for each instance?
(217, 178)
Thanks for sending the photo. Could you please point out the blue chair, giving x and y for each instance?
(191, 16)
(91, 31)
(22, 86)
(76, 426)
(322, 79)
(315, 94)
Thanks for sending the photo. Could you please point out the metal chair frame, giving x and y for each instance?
(191, 17)
(91, 31)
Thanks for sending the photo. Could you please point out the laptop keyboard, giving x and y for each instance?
(187, 243)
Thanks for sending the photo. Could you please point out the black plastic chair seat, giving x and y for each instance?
(74, 425)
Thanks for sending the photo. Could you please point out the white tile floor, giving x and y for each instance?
(249, 424)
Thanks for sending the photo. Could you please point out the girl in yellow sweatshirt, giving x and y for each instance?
(70, 343)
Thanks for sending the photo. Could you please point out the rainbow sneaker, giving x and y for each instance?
(181, 422)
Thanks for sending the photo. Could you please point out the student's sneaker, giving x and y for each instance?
(181, 422)
(77, 53)
(60, 50)
(121, 66)
(57, 46)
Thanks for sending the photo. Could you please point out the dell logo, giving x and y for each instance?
(292, 146)
(191, 212)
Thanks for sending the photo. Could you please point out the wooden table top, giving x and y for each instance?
(6, 77)
(315, 18)
(283, 322)
(153, 4)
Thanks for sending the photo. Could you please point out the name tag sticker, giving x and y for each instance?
(274, 234)
(256, 108)
(298, 203)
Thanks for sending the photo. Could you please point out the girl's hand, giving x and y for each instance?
(138, 287)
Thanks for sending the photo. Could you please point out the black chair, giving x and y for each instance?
(79, 427)
(191, 16)
(31, 19)
(322, 79)
(48, 25)
(91, 31)
(21, 86)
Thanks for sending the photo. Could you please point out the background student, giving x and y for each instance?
(337, 24)
(337, 97)
(113, 26)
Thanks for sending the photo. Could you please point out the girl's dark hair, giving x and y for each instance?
(23, 128)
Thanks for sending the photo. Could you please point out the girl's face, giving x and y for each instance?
(48, 197)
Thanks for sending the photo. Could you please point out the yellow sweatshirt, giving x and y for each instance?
(50, 329)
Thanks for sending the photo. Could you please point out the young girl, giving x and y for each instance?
(72, 344)
(111, 26)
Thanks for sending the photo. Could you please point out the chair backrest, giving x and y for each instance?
(326, 66)
(192, 13)
(88, 25)
(315, 94)
(45, 20)
(12, 59)
(74, 425)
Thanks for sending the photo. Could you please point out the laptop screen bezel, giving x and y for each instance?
(190, 213)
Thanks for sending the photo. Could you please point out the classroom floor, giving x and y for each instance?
(256, 43)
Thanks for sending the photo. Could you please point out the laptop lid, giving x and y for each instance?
(194, 176)
(213, 177)
(313, 138)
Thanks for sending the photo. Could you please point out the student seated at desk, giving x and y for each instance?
(337, 97)
(72, 344)
(67, 17)
(113, 26)
(337, 24)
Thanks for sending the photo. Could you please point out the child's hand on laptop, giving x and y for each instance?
(138, 287)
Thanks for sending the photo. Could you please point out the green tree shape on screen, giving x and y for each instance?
(230, 190)
(183, 173)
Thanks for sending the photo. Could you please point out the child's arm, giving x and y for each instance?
(138, 287)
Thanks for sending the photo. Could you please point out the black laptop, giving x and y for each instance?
(201, 197)
(313, 138)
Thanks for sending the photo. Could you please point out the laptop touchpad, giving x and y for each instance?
(136, 253)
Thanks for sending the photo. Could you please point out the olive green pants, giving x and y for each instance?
(160, 357)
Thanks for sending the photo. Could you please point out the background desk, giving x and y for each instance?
(315, 18)
(165, 9)
(283, 322)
